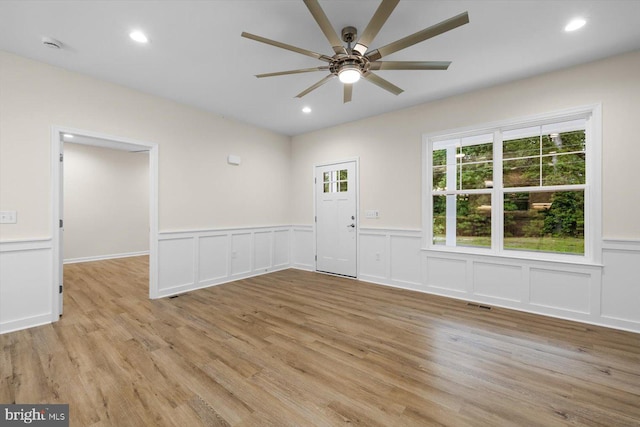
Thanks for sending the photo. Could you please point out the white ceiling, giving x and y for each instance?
(196, 55)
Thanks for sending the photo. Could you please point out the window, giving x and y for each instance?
(522, 187)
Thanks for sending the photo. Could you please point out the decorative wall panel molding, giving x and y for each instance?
(303, 248)
(606, 295)
(621, 283)
(26, 284)
(191, 260)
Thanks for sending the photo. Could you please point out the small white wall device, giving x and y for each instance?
(233, 160)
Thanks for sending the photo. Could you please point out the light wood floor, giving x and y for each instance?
(302, 349)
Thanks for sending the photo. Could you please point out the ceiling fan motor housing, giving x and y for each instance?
(349, 34)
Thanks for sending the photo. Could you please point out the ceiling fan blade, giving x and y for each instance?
(315, 86)
(286, 46)
(348, 91)
(420, 36)
(325, 25)
(379, 18)
(284, 73)
(384, 84)
(410, 65)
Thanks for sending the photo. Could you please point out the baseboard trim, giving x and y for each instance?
(28, 322)
(104, 257)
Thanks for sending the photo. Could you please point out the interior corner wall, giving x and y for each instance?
(389, 145)
(106, 203)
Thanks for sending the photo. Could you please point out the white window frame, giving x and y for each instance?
(592, 187)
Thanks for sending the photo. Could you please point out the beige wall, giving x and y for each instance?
(197, 188)
(389, 146)
(106, 202)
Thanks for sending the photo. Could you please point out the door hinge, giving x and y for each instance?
(315, 180)
(316, 257)
(60, 290)
(61, 223)
(315, 218)
(61, 157)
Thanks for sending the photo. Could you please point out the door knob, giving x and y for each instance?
(351, 226)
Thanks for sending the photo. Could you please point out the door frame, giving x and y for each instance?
(356, 160)
(57, 180)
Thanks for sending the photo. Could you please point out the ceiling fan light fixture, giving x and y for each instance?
(349, 73)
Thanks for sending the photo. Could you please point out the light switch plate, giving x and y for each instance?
(372, 214)
(8, 217)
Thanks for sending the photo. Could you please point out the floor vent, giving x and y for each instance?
(480, 306)
(174, 296)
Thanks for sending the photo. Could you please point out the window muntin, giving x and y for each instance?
(540, 176)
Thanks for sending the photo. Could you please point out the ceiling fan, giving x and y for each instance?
(349, 63)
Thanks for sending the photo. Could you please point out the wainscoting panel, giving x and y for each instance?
(303, 248)
(446, 273)
(281, 246)
(240, 254)
(621, 282)
(176, 263)
(196, 259)
(564, 290)
(405, 260)
(213, 259)
(607, 295)
(499, 281)
(390, 257)
(374, 258)
(26, 284)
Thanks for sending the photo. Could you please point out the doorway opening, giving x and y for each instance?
(87, 140)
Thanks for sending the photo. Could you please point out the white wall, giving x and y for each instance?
(106, 202)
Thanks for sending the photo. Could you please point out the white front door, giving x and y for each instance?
(336, 221)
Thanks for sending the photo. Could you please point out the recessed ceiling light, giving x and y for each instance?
(306, 110)
(575, 24)
(138, 36)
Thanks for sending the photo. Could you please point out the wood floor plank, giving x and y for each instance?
(295, 348)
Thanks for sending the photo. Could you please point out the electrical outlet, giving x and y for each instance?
(8, 217)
